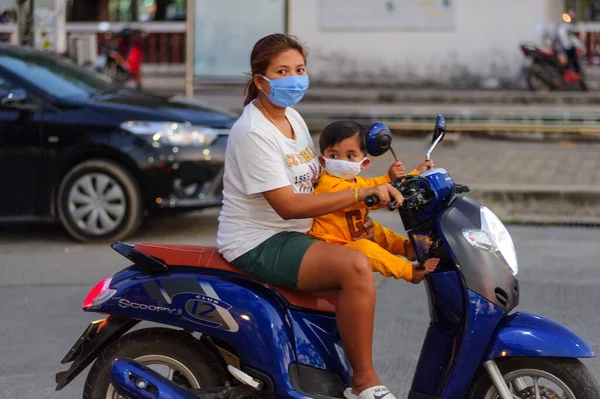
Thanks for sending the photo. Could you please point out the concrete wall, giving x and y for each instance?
(483, 44)
(4, 4)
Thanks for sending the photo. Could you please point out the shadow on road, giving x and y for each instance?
(157, 228)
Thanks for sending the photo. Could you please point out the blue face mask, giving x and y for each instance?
(287, 91)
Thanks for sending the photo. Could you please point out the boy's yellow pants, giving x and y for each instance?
(382, 253)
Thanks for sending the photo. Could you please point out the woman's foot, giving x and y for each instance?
(376, 392)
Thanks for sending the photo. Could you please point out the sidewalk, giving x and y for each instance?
(523, 182)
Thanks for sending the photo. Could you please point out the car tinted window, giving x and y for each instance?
(55, 76)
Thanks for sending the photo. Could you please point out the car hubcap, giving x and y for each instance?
(166, 366)
(534, 384)
(97, 204)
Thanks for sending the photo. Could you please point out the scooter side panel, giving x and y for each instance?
(446, 302)
(481, 322)
(456, 341)
(245, 314)
(527, 334)
(318, 344)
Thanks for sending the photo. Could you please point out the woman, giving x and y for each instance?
(269, 205)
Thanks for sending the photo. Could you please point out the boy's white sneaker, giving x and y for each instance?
(376, 392)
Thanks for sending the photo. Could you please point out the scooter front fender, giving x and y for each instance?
(527, 334)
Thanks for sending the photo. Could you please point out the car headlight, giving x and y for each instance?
(493, 237)
(173, 133)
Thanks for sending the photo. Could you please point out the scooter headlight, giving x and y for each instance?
(495, 238)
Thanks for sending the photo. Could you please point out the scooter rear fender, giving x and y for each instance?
(223, 305)
(527, 334)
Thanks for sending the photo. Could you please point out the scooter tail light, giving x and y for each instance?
(99, 294)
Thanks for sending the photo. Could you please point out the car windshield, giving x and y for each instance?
(58, 77)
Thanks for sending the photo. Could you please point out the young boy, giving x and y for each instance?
(343, 157)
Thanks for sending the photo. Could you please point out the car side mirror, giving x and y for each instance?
(16, 99)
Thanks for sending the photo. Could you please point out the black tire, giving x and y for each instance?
(133, 201)
(534, 81)
(572, 372)
(197, 357)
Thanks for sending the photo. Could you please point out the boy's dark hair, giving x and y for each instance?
(341, 130)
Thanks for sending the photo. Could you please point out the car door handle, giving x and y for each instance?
(53, 139)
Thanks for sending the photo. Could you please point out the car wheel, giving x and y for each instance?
(99, 200)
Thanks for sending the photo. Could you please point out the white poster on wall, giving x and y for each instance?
(225, 32)
(386, 14)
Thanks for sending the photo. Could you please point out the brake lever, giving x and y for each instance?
(392, 205)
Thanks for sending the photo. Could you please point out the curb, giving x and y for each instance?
(402, 96)
(490, 128)
(477, 120)
(391, 95)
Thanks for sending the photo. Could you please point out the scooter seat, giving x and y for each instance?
(210, 258)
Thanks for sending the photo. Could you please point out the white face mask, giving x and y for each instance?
(343, 169)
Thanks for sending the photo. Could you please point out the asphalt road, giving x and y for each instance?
(44, 277)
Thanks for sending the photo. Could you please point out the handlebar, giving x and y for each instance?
(413, 192)
(372, 200)
(461, 188)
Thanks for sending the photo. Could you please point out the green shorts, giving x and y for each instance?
(277, 260)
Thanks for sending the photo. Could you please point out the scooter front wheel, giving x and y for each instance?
(539, 377)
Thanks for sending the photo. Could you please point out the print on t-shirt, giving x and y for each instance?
(305, 169)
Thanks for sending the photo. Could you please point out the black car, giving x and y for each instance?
(77, 147)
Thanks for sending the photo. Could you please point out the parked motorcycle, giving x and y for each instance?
(264, 341)
(110, 63)
(547, 69)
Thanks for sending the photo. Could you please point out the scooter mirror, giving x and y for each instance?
(438, 134)
(379, 139)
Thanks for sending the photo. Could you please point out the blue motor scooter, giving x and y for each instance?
(263, 341)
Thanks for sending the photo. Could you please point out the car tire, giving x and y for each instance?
(99, 200)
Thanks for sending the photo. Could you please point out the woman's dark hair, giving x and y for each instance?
(341, 130)
(263, 52)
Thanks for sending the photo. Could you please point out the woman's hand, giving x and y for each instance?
(425, 165)
(385, 192)
(396, 170)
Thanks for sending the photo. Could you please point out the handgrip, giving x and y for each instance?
(372, 200)
(461, 188)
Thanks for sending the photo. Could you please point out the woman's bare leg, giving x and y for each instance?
(334, 267)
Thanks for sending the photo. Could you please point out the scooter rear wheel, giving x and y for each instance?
(190, 363)
(551, 377)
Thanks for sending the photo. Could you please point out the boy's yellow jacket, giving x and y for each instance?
(342, 227)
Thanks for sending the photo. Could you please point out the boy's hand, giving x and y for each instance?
(369, 228)
(409, 251)
(396, 170)
(425, 165)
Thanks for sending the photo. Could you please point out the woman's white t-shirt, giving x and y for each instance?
(260, 158)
